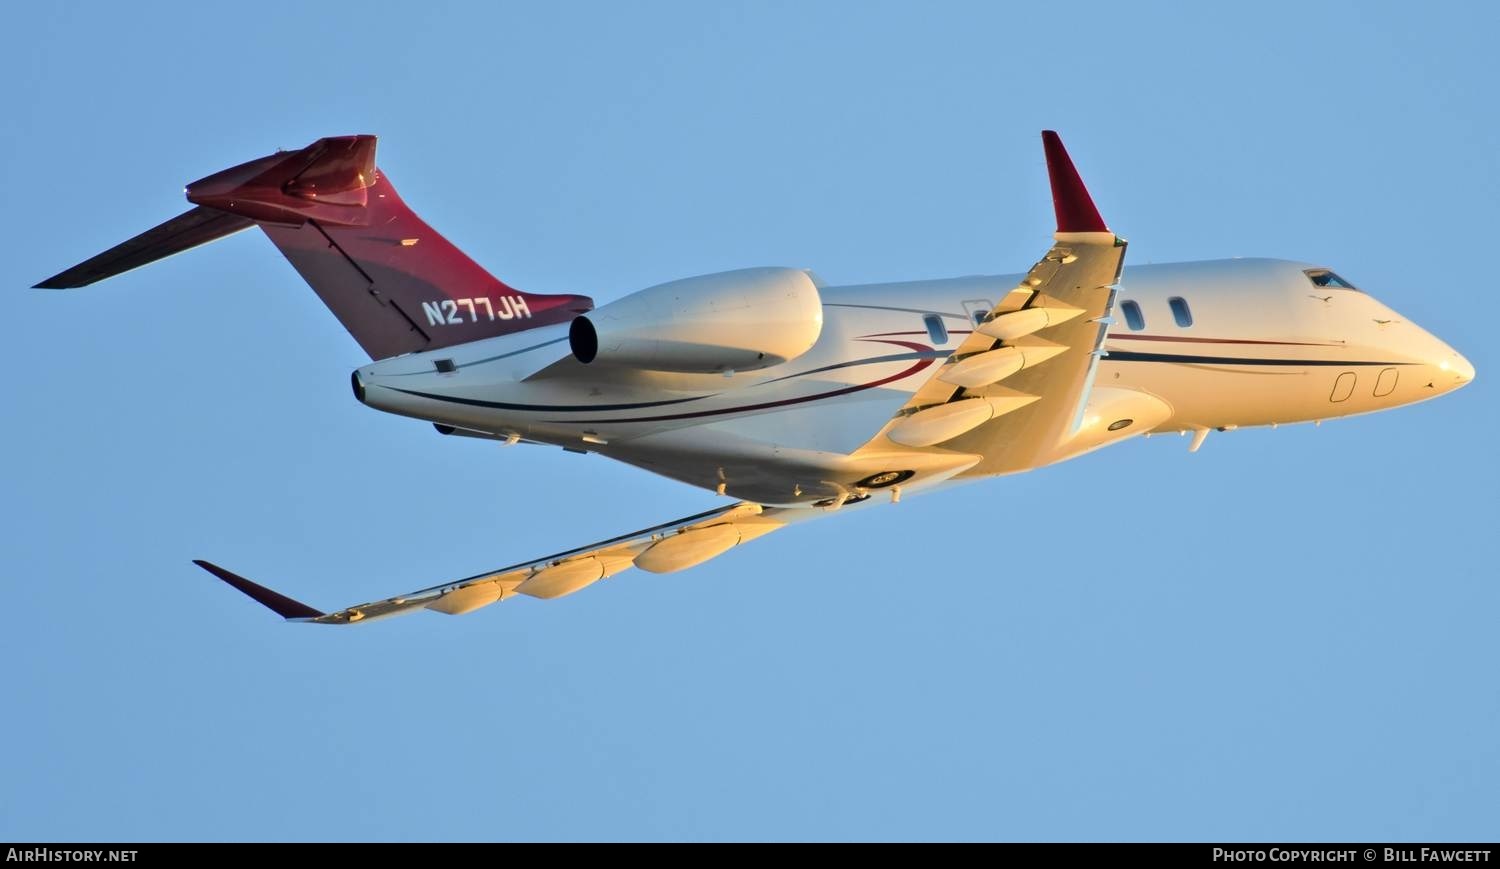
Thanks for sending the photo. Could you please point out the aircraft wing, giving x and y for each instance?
(1016, 387)
(661, 548)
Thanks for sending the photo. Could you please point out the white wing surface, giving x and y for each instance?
(1016, 387)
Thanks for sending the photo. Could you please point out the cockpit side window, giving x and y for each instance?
(1326, 278)
(1133, 317)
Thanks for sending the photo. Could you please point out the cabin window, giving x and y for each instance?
(978, 309)
(1133, 317)
(935, 329)
(1326, 278)
(1180, 312)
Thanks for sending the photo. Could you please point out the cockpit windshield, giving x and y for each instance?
(1326, 278)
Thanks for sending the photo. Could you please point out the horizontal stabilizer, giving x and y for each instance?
(277, 603)
(183, 232)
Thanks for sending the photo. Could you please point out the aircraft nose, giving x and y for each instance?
(1460, 368)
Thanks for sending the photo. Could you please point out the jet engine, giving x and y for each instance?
(740, 320)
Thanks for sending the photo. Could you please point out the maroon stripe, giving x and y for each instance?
(919, 365)
(1186, 340)
(1170, 338)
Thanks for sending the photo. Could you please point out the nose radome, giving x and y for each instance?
(1462, 368)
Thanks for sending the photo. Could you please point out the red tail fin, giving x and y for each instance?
(394, 282)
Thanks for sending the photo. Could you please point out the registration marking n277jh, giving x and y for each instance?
(450, 312)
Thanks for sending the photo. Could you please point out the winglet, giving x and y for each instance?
(1070, 199)
(277, 603)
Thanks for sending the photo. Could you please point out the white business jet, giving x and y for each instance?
(795, 399)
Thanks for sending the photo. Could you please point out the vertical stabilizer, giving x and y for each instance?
(395, 283)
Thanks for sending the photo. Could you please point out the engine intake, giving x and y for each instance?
(739, 320)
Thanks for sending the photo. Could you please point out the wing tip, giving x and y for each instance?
(278, 603)
(56, 282)
(1071, 201)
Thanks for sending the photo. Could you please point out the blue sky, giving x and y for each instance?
(1289, 635)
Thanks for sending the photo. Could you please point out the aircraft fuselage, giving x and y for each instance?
(1247, 342)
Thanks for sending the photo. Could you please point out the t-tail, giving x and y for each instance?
(394, 282)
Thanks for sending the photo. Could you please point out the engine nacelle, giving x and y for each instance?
(740, 320)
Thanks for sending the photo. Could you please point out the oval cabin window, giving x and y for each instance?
(1180, 311)
(936, 331)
